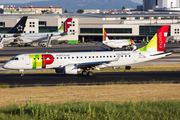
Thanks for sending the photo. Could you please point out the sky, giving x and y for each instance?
(26, 1)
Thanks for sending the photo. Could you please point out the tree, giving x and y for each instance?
(65, 11)
(80, 11)
(123, 8)
(44, 11)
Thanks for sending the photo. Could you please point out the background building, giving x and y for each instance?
(161, 5)
(36, 10)
(139, 26)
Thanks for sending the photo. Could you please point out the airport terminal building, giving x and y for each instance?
(139, 26)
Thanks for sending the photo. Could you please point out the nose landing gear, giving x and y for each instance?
(22, 72)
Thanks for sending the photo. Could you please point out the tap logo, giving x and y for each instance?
(41, 60)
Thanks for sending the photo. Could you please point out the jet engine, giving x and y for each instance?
(71, 69)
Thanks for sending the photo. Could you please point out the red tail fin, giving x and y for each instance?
(105, 37)
(67, 24)
(161, 37)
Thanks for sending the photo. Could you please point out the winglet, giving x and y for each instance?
(65, 26)
(105, 37)
(158, 42)
(116, 59)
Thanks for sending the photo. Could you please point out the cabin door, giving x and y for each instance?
(27, 60)
(135, 56)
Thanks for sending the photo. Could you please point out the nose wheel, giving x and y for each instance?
(22, 72)
(85, 73)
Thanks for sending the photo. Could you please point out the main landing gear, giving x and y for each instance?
(85, 73)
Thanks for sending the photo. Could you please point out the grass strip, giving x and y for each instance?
(144, 110)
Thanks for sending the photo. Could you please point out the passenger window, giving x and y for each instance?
(64, 57)
(77, 57)
(103, 56)
(96, 56)
(85, 56)
(34, 58)
(81, 57)
(107, 56)
(121, 55)
(57, 57)
(114, 56)
(100, 56)
(92, 56)
(61, 58)
(72, 57)
(16, 58)
(129, 55)
(110, 56)
(89, 56)
(68, 57)
(125, 55)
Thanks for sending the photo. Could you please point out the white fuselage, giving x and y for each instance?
(38, 37)
(116, 43)
(59, 60)
(7, 38)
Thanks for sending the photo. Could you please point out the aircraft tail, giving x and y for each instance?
(19, 27)
(105, 37)
(65, 26)
(158, 41)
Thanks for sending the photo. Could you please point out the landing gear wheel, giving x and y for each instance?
(22, 72)
(84, 73)
(90, 73)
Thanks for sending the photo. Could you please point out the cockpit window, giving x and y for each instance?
(14, 58)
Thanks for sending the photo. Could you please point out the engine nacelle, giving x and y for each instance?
(71, 69)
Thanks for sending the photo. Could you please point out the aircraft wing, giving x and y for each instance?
(24, 40)
(58, 36)
(93, 64)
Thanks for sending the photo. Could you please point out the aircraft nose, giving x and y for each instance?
(6, 65)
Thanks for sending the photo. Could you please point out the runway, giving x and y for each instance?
(55, 79)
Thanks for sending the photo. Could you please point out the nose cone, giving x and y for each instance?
(6, 65)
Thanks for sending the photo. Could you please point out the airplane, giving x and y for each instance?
(16, 31)
(118, 43)
(46, 37)
(75, 62)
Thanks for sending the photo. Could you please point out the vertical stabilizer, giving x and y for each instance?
(105, 37)
(19, 27)
(65, 26)
(157, 43)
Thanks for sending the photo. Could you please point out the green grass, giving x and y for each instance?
(157, 110)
